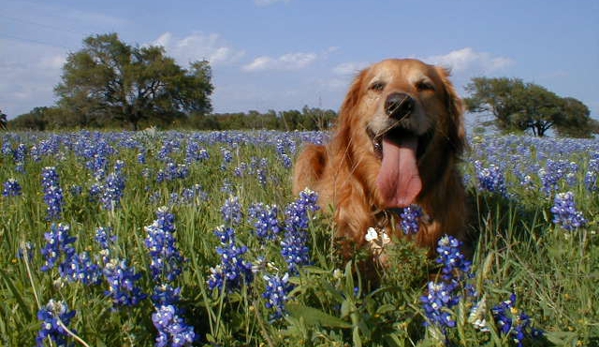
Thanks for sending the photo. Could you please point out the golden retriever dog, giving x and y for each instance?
(398, 138)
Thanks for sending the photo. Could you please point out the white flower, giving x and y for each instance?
(371, 234)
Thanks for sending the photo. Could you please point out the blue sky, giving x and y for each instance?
(284, 54)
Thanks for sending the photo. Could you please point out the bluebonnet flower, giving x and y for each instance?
(165, 257)
(166, 267)
(444, 295)
(437, 304)
(490, 178)
(277, 289)
(7, 148)
(98, 164)
(194, 194)
(287, 162)
(121, 280)
(58, 244)
(105, 238)
(455, 264)
(565, 213)
(231, 211)
(410, 218)
(59, 250)
(172, 329)
(141, 157)
(514, 322)
(113, 190)
(195, 153)
(590, 177)
(11, 188)
(119, 275)
(264, 217)
(262, 171)
(553, 172)
(20, 153)
(80, 268)
(234, 270)
(294, 244)
(52, 193)
(172, 171)
(227, 158)
(165, 294)
(55, 316)
(590, 181)
(240, 170)
(169, 146)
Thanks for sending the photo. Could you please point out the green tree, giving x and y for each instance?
(519, 106)
(577, 122)
(110, 80)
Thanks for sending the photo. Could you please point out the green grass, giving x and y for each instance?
(517, 249)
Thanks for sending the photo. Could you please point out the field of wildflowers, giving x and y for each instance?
(194, 239)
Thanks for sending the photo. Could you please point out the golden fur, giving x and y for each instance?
(345, 171)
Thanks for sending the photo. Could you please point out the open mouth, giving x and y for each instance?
(399, 150)
(396, 135)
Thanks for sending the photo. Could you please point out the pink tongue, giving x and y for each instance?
(399, 180)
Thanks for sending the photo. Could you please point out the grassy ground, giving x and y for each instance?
(164, 277)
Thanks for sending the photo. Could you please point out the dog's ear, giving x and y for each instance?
(455, 107)
(353, 96)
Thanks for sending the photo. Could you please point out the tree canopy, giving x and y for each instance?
(519, 106)
(112, 80)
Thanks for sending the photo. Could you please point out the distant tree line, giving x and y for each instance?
(109, 84)
(57, 118)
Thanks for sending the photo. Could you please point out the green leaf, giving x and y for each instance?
(17, 295)
(313, 316)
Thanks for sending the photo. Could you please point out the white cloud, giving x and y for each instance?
(268, 2)
(29, 73)
(467, 60)
(350, 68)
(198, 46)
(286, 62)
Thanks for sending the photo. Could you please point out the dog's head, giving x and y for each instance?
(406, 115)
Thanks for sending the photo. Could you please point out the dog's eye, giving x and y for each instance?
(377, 86)
(425, 85)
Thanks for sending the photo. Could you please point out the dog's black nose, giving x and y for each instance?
(399, 105)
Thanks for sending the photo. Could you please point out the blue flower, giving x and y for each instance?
(165, 294)
(121, 280)
(172, 329)
(52, 193)
(80, 268)
(234, 270)
(565, 213)
(195, 153)
(231, 211)
(55, 316)
(59, 250)
(264, 217)
(437, 304)
(59, 244)
(512, 321)
(444, 295)
(113, 190)
(294, 248)
(20, 153)
(490, 178)
(410, 218)
(11, 188)
(277, 289)
(455, 265)
(165, 257)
